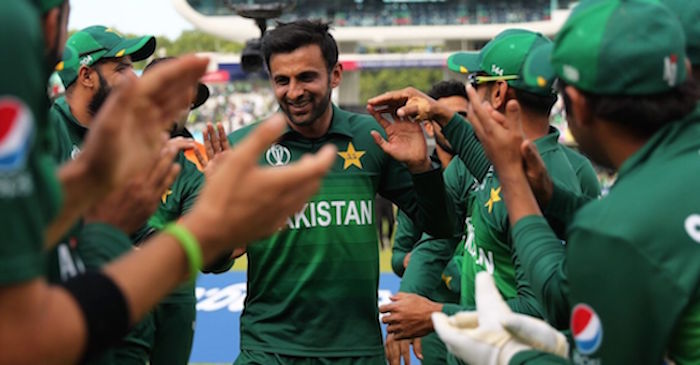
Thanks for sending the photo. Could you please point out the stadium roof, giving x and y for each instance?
(240, 29)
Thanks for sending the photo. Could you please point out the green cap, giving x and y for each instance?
(688, 12)
(46, 5)
(503, 56)
(621, 47)
(537, 70)
(91, 44)
(464, 62)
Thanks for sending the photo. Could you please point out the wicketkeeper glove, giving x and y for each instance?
(494, 334)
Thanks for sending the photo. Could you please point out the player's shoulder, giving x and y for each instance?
(576, 159)
(360, 124)
(240, 133)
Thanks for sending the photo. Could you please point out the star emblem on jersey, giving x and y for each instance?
(495, 197)
(351, 157)
(447, 280)
(164, 198)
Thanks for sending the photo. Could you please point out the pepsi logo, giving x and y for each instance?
(16, 126)
(586, 329)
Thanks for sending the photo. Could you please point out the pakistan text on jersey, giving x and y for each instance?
(333, 213)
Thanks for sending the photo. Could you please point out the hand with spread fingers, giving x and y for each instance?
(410, 103)
(408, 315)
(494, 334)
(130, 128)
(405, 142)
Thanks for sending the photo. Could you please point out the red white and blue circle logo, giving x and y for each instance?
(16, 126)
(586, 328)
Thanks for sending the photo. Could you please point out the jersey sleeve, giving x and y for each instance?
(463, 140)
(405, 237)
(542, 258)
(590, 186)
(23, 178)
(424, 200)
(431, 255)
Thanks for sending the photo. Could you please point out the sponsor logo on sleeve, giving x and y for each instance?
(16, 128)
(586, 328)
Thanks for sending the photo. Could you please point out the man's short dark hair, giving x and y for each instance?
(642, 115)
(537, 103)
(444, 89)
(287, 37)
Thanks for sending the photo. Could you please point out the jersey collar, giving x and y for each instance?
(548, 142)
(62, 105)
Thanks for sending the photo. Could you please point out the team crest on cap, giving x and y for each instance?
(586, 329)
(671, 70)
(16, 127)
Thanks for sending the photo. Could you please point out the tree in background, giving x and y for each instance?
(373, 83)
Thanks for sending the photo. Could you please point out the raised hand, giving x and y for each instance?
(125, 137)
(130, 129)
(405, 141)
(128, 208)
(215, 140)
(410, 103)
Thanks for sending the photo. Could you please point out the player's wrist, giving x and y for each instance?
(441, 114)
(419, 166)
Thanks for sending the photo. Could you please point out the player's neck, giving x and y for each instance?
(534, 125)
(618, 144)
(81, 114)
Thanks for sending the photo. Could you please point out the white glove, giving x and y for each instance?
(481, 338)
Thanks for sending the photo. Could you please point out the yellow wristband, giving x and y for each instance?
(189, 244)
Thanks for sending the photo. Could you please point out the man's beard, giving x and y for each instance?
(317, 110)
(100, 96)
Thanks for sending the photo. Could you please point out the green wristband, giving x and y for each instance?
(189, 244)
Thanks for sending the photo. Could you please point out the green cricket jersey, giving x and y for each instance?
(89, 245)
(29, 192)
(629, 281)
(312, 289)
(434, 271)
(175, 202)
(490, 249)
(93, 245)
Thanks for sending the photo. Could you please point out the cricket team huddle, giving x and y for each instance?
(507, 251)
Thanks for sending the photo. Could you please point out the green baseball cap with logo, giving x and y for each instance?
(621, 47)
(97, 42)
(688, 12)
(537, 69)
(502, 58)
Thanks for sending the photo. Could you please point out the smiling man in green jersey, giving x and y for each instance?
(312, 288)
(628, 281)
